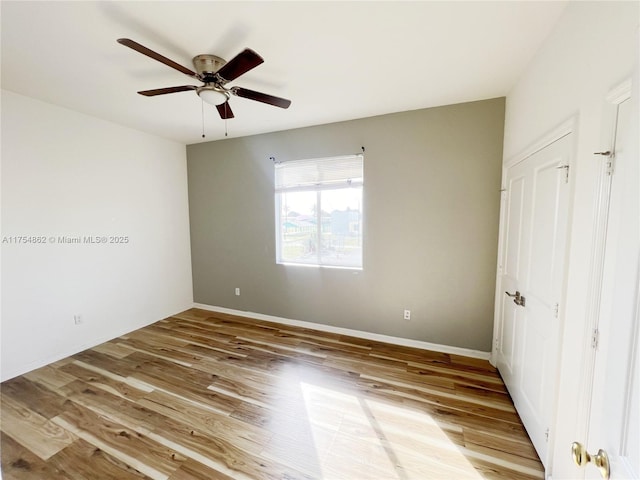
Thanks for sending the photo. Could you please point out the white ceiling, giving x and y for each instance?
(334, 60)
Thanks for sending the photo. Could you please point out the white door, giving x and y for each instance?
(614, 421)
(534, 230)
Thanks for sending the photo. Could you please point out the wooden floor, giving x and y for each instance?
(210, 396)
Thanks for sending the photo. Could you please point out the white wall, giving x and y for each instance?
(592, 49)
(68, 174)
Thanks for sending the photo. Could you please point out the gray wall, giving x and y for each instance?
(431, 208)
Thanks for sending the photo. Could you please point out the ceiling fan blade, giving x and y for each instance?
(156, 56)
(163, 91)
(240, 64)
(261, 97)
(225, 111)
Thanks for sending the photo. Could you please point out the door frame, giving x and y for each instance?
(567, 127)
(613, 100)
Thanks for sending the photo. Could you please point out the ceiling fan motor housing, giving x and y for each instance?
(207, 65)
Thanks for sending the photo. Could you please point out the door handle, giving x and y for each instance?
(517, 298)
(600, 460)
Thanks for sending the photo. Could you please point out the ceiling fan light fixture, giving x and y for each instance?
(212, 95)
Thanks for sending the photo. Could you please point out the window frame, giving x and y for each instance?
(318, 188)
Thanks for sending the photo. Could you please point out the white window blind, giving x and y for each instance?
(328, 172)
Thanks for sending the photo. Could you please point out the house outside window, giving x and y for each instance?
(318, 205)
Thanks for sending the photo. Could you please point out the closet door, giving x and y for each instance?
(532, 276)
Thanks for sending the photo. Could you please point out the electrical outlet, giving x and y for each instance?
(77, 319)
(237, 291)
(407, 314)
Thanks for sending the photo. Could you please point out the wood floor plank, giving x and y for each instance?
(157, 350)
(130, 447)
(81, 461)
(118, 409)
(220, 455)
(205, 395)
(513, 462)
(479, 397)
(20, 463)
(121, 367)
(113, 349)
(513, 446)
(50, 376)
(208, 346)
(119, 386)
(32, 430)
(192, 470)
(488, 383)
(35, 396)
(214, 423)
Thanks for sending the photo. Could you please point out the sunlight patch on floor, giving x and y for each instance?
(371, 439)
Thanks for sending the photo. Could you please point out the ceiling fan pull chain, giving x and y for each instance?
(226, 134)
(202, 105)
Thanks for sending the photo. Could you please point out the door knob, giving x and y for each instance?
(517, 298)
(581, 457)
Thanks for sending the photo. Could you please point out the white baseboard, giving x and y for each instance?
(406, 342)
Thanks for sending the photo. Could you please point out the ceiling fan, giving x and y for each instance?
(215, 73)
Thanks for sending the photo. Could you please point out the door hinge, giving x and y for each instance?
(546, 435)
(595, 338)
(556, 309)
(610, 165)
(566, 172)
(610, 158)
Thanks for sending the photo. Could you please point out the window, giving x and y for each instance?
(319, 211)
